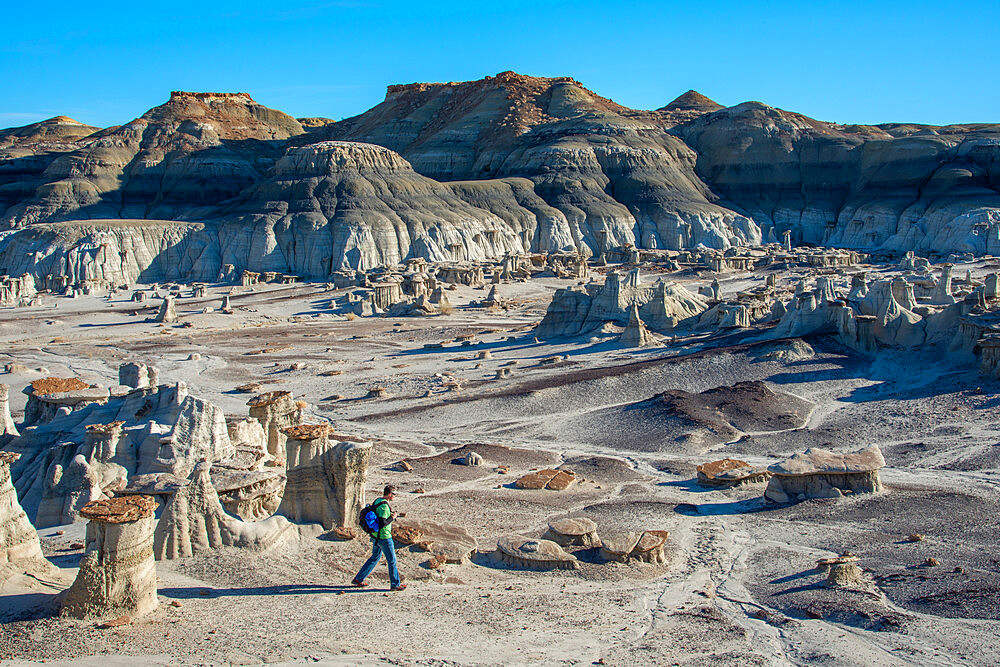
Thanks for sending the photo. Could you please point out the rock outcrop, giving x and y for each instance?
(818, 473)
(194, 522)
(73, 456)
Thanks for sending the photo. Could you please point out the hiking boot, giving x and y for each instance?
(359, 584)
(401, 587)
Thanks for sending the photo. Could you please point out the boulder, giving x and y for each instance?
(455, 543)
(553, 480)
(580, 531)
(524, 552)
(646, 546)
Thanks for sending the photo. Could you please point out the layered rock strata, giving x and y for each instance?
(194, 522)
(20, 550)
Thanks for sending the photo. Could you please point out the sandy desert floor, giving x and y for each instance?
(739, 586)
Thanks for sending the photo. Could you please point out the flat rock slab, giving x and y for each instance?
(730, 472)
(819, 461)
(155, 483)
(455, 543)
(579, 531)
(646, 546)
(123, 509)
(553, 480)
(534, 554)
(618, 546)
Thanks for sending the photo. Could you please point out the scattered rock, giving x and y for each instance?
(554, 480)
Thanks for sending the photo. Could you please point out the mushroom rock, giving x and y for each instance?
(194, 521)
(532, 554)
(47, 395)
(579, 531)
(117, 573)
(818, 473)
(324, 477)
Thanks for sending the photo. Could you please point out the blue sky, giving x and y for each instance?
(865, 62)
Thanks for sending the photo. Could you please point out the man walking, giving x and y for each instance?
(382, 542)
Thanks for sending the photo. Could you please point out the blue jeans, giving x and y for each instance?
(380, 547)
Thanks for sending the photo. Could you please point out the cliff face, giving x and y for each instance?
(334, 205)
(194, 151)
(477, 169)
(892, 187)
(602, 167)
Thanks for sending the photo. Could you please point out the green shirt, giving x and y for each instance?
(383, 511)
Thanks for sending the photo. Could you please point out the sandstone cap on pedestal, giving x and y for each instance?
(154, 483)
(816, 461)
(268, 398)
(54, 385)
(307, 431)
(123, 509)
(579, 531)
(104, 429)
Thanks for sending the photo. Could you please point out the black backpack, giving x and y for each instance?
(368, 520)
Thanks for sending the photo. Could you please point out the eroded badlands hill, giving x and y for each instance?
(481, 168)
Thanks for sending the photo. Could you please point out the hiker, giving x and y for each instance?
(381, 534)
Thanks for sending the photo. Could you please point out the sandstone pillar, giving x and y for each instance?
(6, 422)
(117, 572)
(325, 478)
(19, 546)
(168, 313)
(275, 411)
